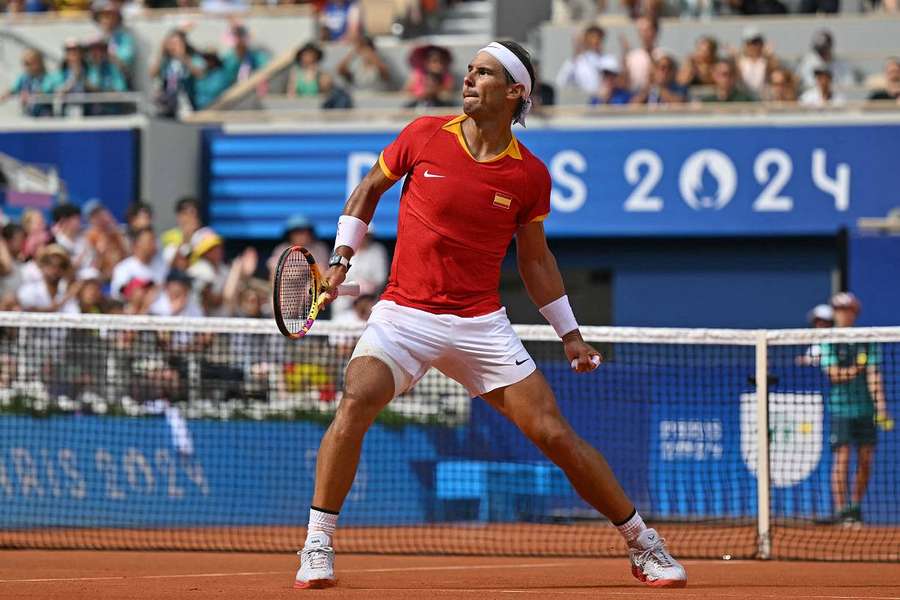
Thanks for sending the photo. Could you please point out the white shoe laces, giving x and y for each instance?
(656, 553)
(316, 557)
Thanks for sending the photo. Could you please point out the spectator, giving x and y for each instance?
(543, 93)
(583, 69)
(12, 242)
(339, 20)
(176, 70)
(856, 402)
(299, 231)
(663, 88)
(176, 299)
(144, 263)
(369, 268)
(121, 46)
(611, 90)
(822, 55)
(177, 240)
(430, 59)
(88, 293)
(138, 295)
(216, 79)
(698, 67)
(241, 294)
(138, 215)
(104, 237)
(781, 86)
(364, 69)
(432, 96)
(209, 271)
(72, 75)
(307, 77)
(36, 234)
(639, 61)
(891, 89)
(242, 61)
(639, 9)
(51, 292)
(755, 62)
(35, 80)
(823, 94)
(102, 76)
(725, 85)
(67, 232)
(820, 317)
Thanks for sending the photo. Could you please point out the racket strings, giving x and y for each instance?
(296, 292)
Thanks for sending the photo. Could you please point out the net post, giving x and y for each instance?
(764, 544)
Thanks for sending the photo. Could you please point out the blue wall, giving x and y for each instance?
(874, 269)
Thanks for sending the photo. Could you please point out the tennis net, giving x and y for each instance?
(201, 434)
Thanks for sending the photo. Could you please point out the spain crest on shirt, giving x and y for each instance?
(502, 201)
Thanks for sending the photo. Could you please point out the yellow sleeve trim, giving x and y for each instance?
(384, 169)
(540, 218)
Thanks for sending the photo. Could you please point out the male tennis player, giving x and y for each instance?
(470, 189)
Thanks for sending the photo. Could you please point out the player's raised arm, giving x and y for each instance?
(354, 222)
(544, 284)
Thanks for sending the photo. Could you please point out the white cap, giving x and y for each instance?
(823, 312)
(608, 63)
(88, 274)
(751, 33)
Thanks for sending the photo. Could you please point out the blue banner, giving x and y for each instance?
(680, 438)
(99, 164)
(728, 180)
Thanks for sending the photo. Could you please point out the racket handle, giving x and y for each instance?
(348, 289)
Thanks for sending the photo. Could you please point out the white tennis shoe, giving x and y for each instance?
(316, 563)
(652, 564)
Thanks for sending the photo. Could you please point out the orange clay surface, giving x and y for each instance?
(77, 575)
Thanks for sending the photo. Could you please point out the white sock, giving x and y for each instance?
(632, 528)
(321, 522)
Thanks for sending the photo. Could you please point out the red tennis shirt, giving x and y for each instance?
(457, 216)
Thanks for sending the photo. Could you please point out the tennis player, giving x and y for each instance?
(471, 188)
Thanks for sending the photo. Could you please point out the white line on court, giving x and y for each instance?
(257, 573)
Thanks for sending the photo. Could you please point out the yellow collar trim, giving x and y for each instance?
(455, 127)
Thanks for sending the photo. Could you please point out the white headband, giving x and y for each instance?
(518, 71)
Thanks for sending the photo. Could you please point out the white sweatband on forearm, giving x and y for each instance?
(350, 232)
(559, 314)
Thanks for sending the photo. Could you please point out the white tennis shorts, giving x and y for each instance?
(481, 353)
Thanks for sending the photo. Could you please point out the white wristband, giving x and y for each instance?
(350, 232)
(559, 314)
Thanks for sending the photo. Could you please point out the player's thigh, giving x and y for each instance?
(531, 405)
(486, 354)
(368, 386)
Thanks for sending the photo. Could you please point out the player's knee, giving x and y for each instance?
(354, 417)
(554, 438)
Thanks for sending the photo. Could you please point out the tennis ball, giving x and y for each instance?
(862, 358)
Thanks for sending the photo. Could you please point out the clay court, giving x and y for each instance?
(79, 575)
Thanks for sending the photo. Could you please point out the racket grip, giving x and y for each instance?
(348, 289)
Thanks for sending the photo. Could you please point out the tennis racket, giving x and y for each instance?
(299, 292)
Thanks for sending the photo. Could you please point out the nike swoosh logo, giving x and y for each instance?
(519, 362)
(432, 175)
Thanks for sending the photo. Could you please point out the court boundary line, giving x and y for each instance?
(257, 573)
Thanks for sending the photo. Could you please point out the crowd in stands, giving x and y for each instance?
(590, 9)
(186, 78)
(84, 261)
(650, 74)
(105, 62)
